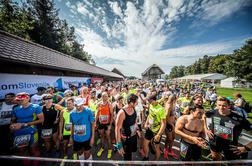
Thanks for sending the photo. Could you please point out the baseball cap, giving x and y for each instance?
(47, 96)
(78, 101)
(68, 92)
(22, 96)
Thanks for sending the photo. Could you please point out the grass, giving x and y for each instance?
(246, 93)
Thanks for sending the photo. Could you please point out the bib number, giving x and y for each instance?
(5, 117)
(22, 141)
(80, 130)
(150, 121)
(46, 133)
(103, 118)
(223, 132)
(183, 150)
(68, 127)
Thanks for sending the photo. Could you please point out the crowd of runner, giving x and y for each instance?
(125, 117)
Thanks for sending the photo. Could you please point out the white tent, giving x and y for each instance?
(204, 77)
(228, 82)
(233, 82)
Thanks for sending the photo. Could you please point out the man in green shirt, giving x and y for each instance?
(155, 126)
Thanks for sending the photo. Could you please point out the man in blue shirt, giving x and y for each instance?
(25, 118)
(83, 129)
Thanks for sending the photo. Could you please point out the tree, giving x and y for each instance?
(14, 20)
(242, 61)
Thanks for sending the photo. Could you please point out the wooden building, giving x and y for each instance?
(20, 56)
(115, 70)
(153, 72)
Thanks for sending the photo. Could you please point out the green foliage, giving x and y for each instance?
(38, 21)
(238, 64)
(14, 20)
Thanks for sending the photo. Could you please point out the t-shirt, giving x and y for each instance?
(156, 115)
(93, 106)
(228, 127)
(26, 115)
(36, 99)
(82, 122)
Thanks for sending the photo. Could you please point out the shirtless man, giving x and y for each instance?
(191, 129)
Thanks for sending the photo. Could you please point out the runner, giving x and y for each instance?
(191, 129)
(6, 113)
(37, 98)
(183, 102)
(170, 123)
(65, 127)
(104, 121)
(140, 121)
(67, 94)
(83, 129)
(117, 106)
(155, 126)
(126, 129)
(84, 95)
(25, 118)
(196, 100)
(225, 127)
(93, 102)
(51, 122)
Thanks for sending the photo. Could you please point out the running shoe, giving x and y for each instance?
(109, 154)
(100, 152)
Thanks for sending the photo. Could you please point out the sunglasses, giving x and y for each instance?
(47, 98)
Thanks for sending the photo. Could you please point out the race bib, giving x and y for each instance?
(183, 150)
(22, 141)
(46, 133)
(223, 132)
(103, 118)
(80, 130)
(5, 117)
(133, 129)
(68, 127)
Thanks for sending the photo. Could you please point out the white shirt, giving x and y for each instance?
(5, 114)
(36, 99)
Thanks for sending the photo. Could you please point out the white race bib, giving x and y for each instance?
(80, 130)
(133, 129)
(68, 127)
(5, 117)
(103, 118)
(22, 141)
(150, 121)
(46, 133)
(223, 132)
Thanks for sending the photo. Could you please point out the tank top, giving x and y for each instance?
(104, 113)
(129, 124)
(50, 116)
(67, 124)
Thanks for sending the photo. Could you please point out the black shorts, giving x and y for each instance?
(220, 145)
(103, 126)
(149, 135)
(189, 151)
(77, 146)
(129, 146)
(169, 127)
(140, 127)
(66, 137)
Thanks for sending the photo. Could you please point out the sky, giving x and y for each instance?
(132, 35)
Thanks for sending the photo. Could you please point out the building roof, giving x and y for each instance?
(153, 66)
(115, 70)
(13, 48)
(209, 76)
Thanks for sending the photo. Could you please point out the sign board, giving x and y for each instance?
(96, 80)
(15, 83)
